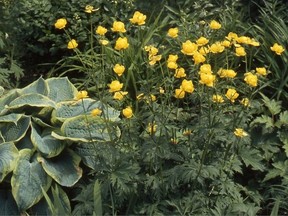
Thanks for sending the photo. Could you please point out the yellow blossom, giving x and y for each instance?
(202, 41)
(154, 58)
(226, 73)
(278, 49)
(187, 86)
(127, 112)
(187, 132)
(226, 43)
(121, 43)
(232, 36)
(180, 73)
(140, 96)
(152, 97)
(261, 71)
(207, 79)
(90, 9)
(172, 58)
(179, 93)
(172, 65)
(198, 58)
(118, 27)
(245, 102)
(251, 79)
(217, 98)
(101, 30)
(216, 47)
(243, 39)
(115, 86)
(204, 50)
(72, 44)
(205, 68)
(240, 51)
(173, 32)
(138, 18)
(174, 141)
(152, 127)
(215, 25)
(239, 132)
(161, 90)
(151, 49)
(60, 23)
(103, 42)
(96, 112)
(119, 69)
(81, 94)
(189, 48)
(119, 95)
(232, 95)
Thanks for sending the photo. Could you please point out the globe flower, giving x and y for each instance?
(151, 50)
(81, 94)
(253, 42)
(240, 51)
(226, 73)
(245, 102)
(216, 47)
(121, 43)
(118, 27)
(205, 68)
(154, 58)
(138, 18)
(207, 79)
(189, 48)
(161, 90)
(239, 132)
(226, 43)
(119, 69)
(180, 73)
(151, 129)
(198, 58)
(261, 71)
(202, 41)
(243, 39)
(232, 95)
(60, 23)
(173, 32)
(101, 30)
(187, 86)
(214, 25)
(104, 42)
(278, 49)
(171, 61)
(217, 98)
(96, 112)
(72, 44)
(232, 36)
(251, 79)
(179, 93)
(204, 50)
(127, 112)
(90, 9)
(119, 95)
(115, 86)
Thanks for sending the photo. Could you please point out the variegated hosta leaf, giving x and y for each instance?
(61, 89)
(31, 100)
(64, 168)
(90, 128)
(27, 180)
(38, 87)
(6, 99)
(47, 145)
(12, 117)
(8, 155)
(8, 205)
(15, 132)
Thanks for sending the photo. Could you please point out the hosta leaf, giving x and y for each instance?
(1, 91)
(61, 137)
(64, 168)
(8, 156)
(39, 87)
(27, 179)
(6, 99)
(15, 132)
(47, 145)
(41, 123)
(94, 128)
(32, 100)
(12, 117)
(8, 205)
(61, 89)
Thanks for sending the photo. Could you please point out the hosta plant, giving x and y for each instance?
(39, 125)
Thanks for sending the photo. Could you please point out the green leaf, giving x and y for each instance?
(64, 168)
(264, 119)
(273, 106)
(8, 155)
(275, 209)
(27, 180)
(1, 91)
(6, 99)
(12, 117)
(37, 87)
(97, 199)
(8, 205)
(15, 132)
(31, 100)
(47, 145)
(252, 157)
(283, 136)
(61, 89)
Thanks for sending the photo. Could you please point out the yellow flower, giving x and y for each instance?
(278, 49)
(198, 58)
(104, 42)
(207, 79)
(101, 30)
(115, 86)
(174, 141)
(202, 41)
(121, 43)
(180, 72)
(250, 79)
(138, 18)
(216, 47)
(232, 36)
(151, 49)
(96, 112)
(179, 93)
(240, 51)
(119, 95)
(127, 112)
(189, 48)
(253, 42)
(261, 71)
(173, 32)
(245, 102)
(226, 73)
(151, 129)
(171, 62)
(72, 44)
(60, 23)
(140, 96)
(172, 58)
(215, 25)
(204, 50)
(81, 94)
(205, 68)
(232, 95)
(152, 97)
(187, 86)
(226, 43)
(154, 58)
(239, 132)
(119, 69)
(187, 132)
(243, 39)
(217, 98)
(118, 27)
(161, 90)
(90, 9)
